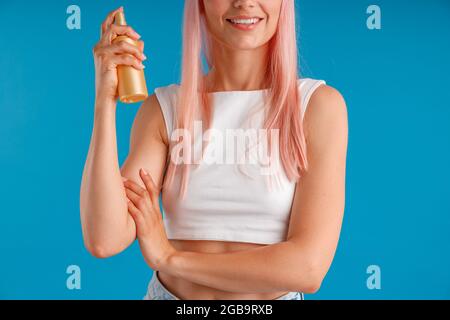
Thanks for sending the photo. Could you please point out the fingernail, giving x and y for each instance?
(145, 172)
(144, 56)
(124, 179)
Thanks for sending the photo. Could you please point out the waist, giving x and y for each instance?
(212, 246)
(186, 290)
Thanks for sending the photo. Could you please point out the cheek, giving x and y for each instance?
(215, 9)
(214, 12)
(272, 9)
(272, 6)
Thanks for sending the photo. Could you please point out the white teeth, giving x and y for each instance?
(244, 21)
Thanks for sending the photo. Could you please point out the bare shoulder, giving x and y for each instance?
(326, 114)
(149, 121)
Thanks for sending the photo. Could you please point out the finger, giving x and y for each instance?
(127, 60)
(142, 203)
(125, 47)
(150, 185)
(135, 212)
(109, 20)
(140, 44)
(134, 187)
(133, 196)
(115, 30)
(119, 30)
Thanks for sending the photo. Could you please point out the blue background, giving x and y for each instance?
(396, 84)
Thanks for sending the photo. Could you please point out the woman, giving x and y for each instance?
(226, 234)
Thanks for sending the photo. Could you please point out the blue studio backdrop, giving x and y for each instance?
(395, 79)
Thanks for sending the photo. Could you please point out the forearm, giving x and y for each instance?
(105, 220)
(277, 267)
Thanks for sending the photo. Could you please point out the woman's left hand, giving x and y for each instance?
(143, 206)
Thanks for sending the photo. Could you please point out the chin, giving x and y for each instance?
(244, 45)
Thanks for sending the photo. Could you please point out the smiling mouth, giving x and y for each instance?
(244, 21)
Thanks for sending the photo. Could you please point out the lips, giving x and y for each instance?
(244, 22)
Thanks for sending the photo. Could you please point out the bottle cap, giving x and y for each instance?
(119, 19)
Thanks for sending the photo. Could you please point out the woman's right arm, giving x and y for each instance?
(106, 224)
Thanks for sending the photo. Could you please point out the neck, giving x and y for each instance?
(238, 69)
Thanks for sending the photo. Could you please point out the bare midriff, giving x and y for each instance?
(186, 290)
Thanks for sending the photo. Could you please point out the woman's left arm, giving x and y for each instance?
(301, 262)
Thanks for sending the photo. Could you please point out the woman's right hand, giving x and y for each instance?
(108, 55)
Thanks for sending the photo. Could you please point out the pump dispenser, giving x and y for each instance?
(131, 82)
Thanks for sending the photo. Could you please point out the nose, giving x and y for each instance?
(244, 4)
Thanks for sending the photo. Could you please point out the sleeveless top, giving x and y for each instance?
(223, 201)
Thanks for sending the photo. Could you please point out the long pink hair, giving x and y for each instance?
(283, 96)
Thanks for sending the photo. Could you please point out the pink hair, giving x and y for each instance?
(283, 98)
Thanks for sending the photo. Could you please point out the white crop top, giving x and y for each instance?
(222, 203)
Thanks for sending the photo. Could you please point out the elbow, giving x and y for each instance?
(101, 251)
(310, 280)
(312, 286)
(307, 269)
(99, 244)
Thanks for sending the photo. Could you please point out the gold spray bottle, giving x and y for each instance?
(131, 81)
